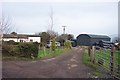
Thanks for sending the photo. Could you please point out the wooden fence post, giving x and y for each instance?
(44, 48)
(93, 54)
(112, 59)
(89, 52)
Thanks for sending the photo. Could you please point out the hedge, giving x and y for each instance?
(10, 50)
(11, 42)
(27, 50)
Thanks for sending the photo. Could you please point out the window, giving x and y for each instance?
(31, 40)
(21, 40)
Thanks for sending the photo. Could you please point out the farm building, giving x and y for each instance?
(73, 42)
(90, 39)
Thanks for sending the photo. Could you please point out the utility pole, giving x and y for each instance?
(64, 29)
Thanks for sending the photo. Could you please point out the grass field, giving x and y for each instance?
(105, 56)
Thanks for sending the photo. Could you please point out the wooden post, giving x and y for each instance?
(89, 50)
(118, 58)
(93, 54)
(112, 59)
(44, 50)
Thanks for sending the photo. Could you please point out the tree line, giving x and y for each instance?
(50, 35)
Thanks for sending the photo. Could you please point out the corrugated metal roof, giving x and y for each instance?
(95, 36)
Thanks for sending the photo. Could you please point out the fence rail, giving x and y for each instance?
(107, 57)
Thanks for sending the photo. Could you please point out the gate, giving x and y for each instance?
(107, 57)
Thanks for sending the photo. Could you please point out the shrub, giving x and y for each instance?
(28, 50)
(11, 42)
(67, 44)
(8, 42)
(53, 45)
(10, 50)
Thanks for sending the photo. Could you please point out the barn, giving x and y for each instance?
(90, 39)
(73, 42)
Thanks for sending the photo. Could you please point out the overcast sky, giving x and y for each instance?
(79, 17)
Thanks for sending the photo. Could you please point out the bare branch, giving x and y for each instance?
(51, 16)
(5, 24)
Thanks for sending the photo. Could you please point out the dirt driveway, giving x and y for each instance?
(67, 65)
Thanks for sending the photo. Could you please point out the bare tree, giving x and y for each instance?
(51, 19)
(52, 34)
(5, 24)
(51, 24)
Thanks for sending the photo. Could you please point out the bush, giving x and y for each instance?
(11, 42)
(28, 50)
(67, 44)
(53, 45)
(10, 50)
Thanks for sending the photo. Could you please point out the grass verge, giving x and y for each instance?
(86, 61)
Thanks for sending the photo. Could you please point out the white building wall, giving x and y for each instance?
(8, 39)
(15, 39)
(24, 40)
(35, 39)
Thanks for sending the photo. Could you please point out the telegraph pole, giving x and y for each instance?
(64, 29)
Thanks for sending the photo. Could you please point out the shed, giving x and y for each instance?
(90, 39)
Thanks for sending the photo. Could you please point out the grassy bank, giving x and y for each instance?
(86, 61)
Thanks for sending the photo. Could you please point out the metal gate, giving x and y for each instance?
(108, 58)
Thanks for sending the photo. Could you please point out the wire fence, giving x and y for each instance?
(108, 58)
